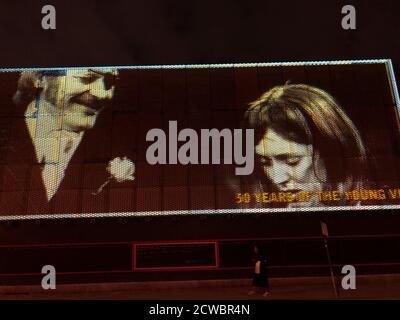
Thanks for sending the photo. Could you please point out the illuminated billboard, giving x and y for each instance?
(198, 139)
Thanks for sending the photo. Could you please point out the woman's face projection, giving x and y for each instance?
(290, 166)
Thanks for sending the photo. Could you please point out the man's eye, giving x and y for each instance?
(87, 79)
(293, 161)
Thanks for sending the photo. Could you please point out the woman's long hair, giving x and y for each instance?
(308, 115)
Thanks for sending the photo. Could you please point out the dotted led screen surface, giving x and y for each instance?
(198, 139)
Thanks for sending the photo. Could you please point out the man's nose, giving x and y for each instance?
(99, 89)
(280, 173)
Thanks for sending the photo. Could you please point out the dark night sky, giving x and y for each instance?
(126, 32)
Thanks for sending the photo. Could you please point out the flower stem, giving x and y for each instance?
(100, 189)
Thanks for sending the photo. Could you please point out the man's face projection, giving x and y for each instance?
(289, 165)
(79, 96)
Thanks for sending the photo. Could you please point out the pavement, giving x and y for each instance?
(306, 288)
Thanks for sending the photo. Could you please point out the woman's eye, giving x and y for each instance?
(265, 161)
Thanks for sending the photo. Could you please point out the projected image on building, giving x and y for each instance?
(205, 139)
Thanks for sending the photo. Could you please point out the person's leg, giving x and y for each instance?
(253, 285)
(266, 288)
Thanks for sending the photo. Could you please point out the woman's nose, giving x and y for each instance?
(279, 173)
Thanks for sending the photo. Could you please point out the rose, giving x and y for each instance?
(120, 170)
